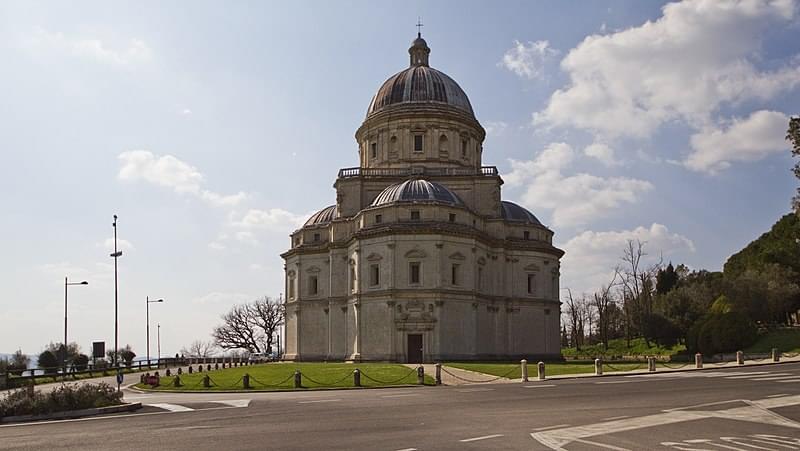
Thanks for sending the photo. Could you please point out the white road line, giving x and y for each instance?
(100, 418)
(738, 375)
(474, 390)
(170, 407)
(555, 426)
(616, 382)
(601, 445)
(774, 377)
(778, 395)
(537, 386)
(318, 400)
(235, 402)
(617, 418)
(475, 439)
(407, 449)
(400, 396)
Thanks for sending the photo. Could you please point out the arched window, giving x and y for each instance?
(443, 146)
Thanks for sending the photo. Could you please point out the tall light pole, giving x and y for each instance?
(159, 344)
(148, 302)
(115, 255)
(64, 355)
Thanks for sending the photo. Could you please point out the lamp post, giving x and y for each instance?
(159, 344)
(115, 256)
(148, 302)
(67, 283)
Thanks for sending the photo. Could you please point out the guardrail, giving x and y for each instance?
(406, 172)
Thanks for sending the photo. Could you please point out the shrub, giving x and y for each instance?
(48, 362)
(718, 333)
(80, 362)
(661, 330)
(65, 397)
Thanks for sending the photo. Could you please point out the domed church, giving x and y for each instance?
(420, 260)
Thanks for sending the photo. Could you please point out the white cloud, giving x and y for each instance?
(186, 111)
(170, 172)
(495, 128)
(135, 51)
(275, 219)
(590, 257)
(574, 199)
(698, 56)
(526, 59)
(602, 153)
(750, 139)
(122, 245)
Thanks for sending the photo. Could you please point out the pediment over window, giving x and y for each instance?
(457, 256)
(531, 267)
(416, 253)
(313, 269)
(373, 257)
(481, 261)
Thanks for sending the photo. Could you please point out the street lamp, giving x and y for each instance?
(116, 255)
(159, 342)
(64, 355)
(148, 302)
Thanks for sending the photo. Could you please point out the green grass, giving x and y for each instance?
(279, 376)
(514, 371)
(786, 340)
(618, 347)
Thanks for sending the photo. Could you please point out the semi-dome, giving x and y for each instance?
(416, 190)
(419, 84)
(514, 213)
(323, 216)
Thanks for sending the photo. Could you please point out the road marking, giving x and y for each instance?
(601, 445)
(555, 426)
(617, 418)
(778, 395)
(400, 396)
(773, 377)
(474, 390)
(475, 439)
(739, 375)
(616, 382)
(102, 417)
(235, 402)
(171, 407)
(318, 400)
(537, 386)
(407, 449)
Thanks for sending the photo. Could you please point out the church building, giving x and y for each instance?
(419, 259)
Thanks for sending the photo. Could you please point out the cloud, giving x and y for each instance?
(274, 219)
(575, 199)
(170, 172)
(590, 257)
(135, 51)
(495, 128)
(526, 59)
(122, 245)
(750, 139)
(602, 153)
(186, 111)
(698, 56)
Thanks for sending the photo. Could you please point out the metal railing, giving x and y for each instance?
(406, 172)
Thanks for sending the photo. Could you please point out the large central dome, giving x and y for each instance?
(419, 84)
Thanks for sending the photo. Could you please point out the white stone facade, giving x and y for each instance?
(434, 269)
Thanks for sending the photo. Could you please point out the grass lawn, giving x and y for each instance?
(786, 340)
(279, 376)
(513, 370)
(618, 347)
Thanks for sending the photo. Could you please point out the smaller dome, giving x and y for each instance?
(514, 213)
(416, 190)
(323, 216)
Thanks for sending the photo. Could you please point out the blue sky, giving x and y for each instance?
(213, 129)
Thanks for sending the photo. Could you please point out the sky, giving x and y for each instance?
(213, 129)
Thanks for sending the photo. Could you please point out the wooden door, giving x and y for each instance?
(414, 348)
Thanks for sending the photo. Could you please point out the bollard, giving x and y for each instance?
(740, 357)
(356, 378)
(540, 371)
(208, 367)
(216, 366)
(698, 360)
(651, 364)
(245, 380)
(168, 372)
(180, 370)
(176, 382)
(524, 367)
(421, 375)
(438, 374)
(206, 381)
(298, 379)
(776, 355)
(598, 367)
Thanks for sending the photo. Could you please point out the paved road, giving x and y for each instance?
(751, 408)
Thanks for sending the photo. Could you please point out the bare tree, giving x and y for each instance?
(250, 326)
(575, 315)
(199, 349)
(637, 288)
(602, 301)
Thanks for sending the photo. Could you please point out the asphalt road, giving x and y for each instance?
(750, 408)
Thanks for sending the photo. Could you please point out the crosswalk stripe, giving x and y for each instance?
(235, 402)
(171, 407)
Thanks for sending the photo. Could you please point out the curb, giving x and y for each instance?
(287, 390)
(68, 414)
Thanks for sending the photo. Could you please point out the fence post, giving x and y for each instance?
(246, 380)
(540, 370)
(356, 378)
(206, 381)
(776, 355)
(698, 360)
(651, 364)
(740, 357)
(524, 367)
(598, 367)
(298, 379)
(421, 375)
(438, 374)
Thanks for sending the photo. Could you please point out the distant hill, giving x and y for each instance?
(780, 245)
